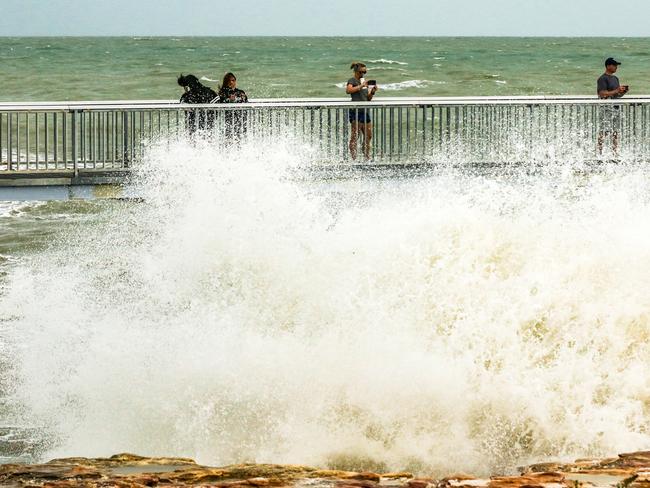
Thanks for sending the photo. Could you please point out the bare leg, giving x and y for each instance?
(354, 134)
(601, 138)
(615, 143)
(367, 137)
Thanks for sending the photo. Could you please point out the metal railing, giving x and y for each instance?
(71, 136)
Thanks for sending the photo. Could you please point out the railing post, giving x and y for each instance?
(10, 149)
(75, 158)
(125, 139)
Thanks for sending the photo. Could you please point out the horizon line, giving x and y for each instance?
(556, 36)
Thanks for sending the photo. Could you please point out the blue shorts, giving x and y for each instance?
(360, 115)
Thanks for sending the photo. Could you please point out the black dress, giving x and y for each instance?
(235, 120)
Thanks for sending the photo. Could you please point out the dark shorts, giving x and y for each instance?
(610, 118)
(360, 115)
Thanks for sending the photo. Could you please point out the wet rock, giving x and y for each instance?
(396, 476)
(625, 464)
(642, 480)
(639, 459)
(532, 480)
(125, 459)
(132, 471)
(49, 471)
(421, 483)
(356, 484)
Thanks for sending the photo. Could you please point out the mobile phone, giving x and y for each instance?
(372, 82)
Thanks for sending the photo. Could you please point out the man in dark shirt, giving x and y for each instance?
(609, 87)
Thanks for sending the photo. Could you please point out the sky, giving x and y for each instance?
(600, 18)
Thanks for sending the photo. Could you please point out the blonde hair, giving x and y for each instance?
(356, 66)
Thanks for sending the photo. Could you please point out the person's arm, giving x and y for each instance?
(371, 93)
(603, 92)
(618, 92)
(350, 88)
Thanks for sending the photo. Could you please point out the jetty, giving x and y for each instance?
(60, 145)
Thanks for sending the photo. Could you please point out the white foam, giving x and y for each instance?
(402, 85)
(453, 323)
(408, 84)
(387, 61)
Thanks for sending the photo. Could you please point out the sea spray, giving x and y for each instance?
(457, 321)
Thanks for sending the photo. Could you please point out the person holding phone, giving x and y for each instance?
(608, 86)
(360, 90)
(235, 120)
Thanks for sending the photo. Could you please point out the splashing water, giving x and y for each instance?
(444, 323)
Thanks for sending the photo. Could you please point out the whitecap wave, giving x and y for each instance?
(388, 68)
(9, 208)
(387, 61)
(402, 85)
(405, 85)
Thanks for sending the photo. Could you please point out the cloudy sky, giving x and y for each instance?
(326, 17)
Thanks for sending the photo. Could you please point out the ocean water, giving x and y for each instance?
(146, 68)
(460, 320)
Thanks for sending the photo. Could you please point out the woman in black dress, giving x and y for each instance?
(235, 120)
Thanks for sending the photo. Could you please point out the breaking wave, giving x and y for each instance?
(456, 321)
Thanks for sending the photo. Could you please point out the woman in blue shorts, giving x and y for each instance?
(357, 88)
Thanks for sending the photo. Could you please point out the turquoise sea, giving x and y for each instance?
(99, 68)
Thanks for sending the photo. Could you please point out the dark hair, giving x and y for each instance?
(189, 80)
(356, 66)
(226, 79)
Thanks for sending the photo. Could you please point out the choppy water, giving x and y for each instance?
(146, 68)
(442, 323)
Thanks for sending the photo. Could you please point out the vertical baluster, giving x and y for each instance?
(27, 155)
(142, 132)
(82, 138)
(105, 138)
(391, 132)
(65, 139)
(432, 130)
(132, 142)
(37, 139)
(408, 131)
(18, 159)
(47, 141)
(113, 156)
(424, 129)
(55, 141)
(1, 138)
(399, 134)
(92, 138)
(9, 140)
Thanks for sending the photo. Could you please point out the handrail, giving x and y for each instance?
(115, 134)
(321, 102)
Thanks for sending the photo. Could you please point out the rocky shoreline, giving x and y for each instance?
(631, 470)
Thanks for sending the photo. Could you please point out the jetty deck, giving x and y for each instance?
(97, 143)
